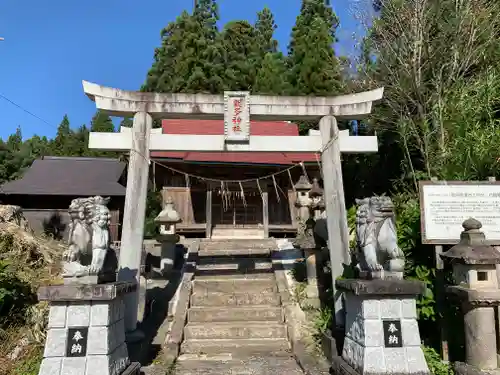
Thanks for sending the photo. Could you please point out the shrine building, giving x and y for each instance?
(232, 194)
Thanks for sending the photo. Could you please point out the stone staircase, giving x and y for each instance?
(235, 322)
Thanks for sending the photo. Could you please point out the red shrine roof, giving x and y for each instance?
(216, 127)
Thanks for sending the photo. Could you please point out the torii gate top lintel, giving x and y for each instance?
(124, 103)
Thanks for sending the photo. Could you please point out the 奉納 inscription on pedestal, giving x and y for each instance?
(76, 342)
(392, 333)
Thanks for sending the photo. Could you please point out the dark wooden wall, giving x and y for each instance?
(189, 194)
(48, 214)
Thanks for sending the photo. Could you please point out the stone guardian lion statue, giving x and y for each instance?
(376, 238)
(88, 237)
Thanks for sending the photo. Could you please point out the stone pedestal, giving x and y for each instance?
(381, 332)
(168, 251)
(86, 332)
(312, 290)
(478, 307)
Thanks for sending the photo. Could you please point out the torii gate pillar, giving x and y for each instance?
(134, 214)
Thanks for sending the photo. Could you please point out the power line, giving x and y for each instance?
(25, 110)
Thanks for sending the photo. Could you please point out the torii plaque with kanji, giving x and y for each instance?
(237, 116)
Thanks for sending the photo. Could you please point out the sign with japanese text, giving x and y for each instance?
(445, 205)
(237, 116)
(76, 342)
(392, 334)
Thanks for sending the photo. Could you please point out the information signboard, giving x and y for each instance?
(445, 205)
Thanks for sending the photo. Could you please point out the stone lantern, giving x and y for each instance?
(318, 203)
(303, 201)
(305, 238)
(168, 219)
(474, 272)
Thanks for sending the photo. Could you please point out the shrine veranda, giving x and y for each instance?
(236, 108)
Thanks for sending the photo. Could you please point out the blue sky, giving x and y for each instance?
(51, 46)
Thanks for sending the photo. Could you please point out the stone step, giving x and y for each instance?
(234, 285)
(238, 276)
(234, 265)
(234, 330)
(237, 244)
(235, 252)
(237, 348)
(235, 313)
(252, 366)
(234, 299)
(237, 234)
(230, 261)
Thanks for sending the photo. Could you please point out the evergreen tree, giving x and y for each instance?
(264, 32)
(39, 146)
(16, 156)
(62, 143)
(160, 75)
(190, 58)
(5, 155)
(272, 76)
(241, 54)
(102, 123)
(127, 122)
(81, 142)
(314, 68)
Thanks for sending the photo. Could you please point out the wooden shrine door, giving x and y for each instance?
(231, 210)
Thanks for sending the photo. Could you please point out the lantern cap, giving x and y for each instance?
(472, 248)
(168, 215)
(303, 184)
(316, 190)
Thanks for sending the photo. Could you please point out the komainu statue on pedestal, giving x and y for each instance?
(88, 237)
(379, 255)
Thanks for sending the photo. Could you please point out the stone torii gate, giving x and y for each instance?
(235, 108)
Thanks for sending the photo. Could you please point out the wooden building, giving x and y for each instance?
(48, 186)
(246, 204)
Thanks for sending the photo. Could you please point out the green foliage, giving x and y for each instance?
(102, 123)
(126, 122)
(190, 58)
(30, 363)
(153, 209)
(241, 53)
(314, 68)
(299, 293)
(15, 295)
(436, 365)
(351, 222)
(271, 76)
(323, 320)
(16, 155)
(264, 34)
(440, 115)
(419, 258)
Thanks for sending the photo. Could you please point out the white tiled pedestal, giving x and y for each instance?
(86, 332)
(372, 347)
